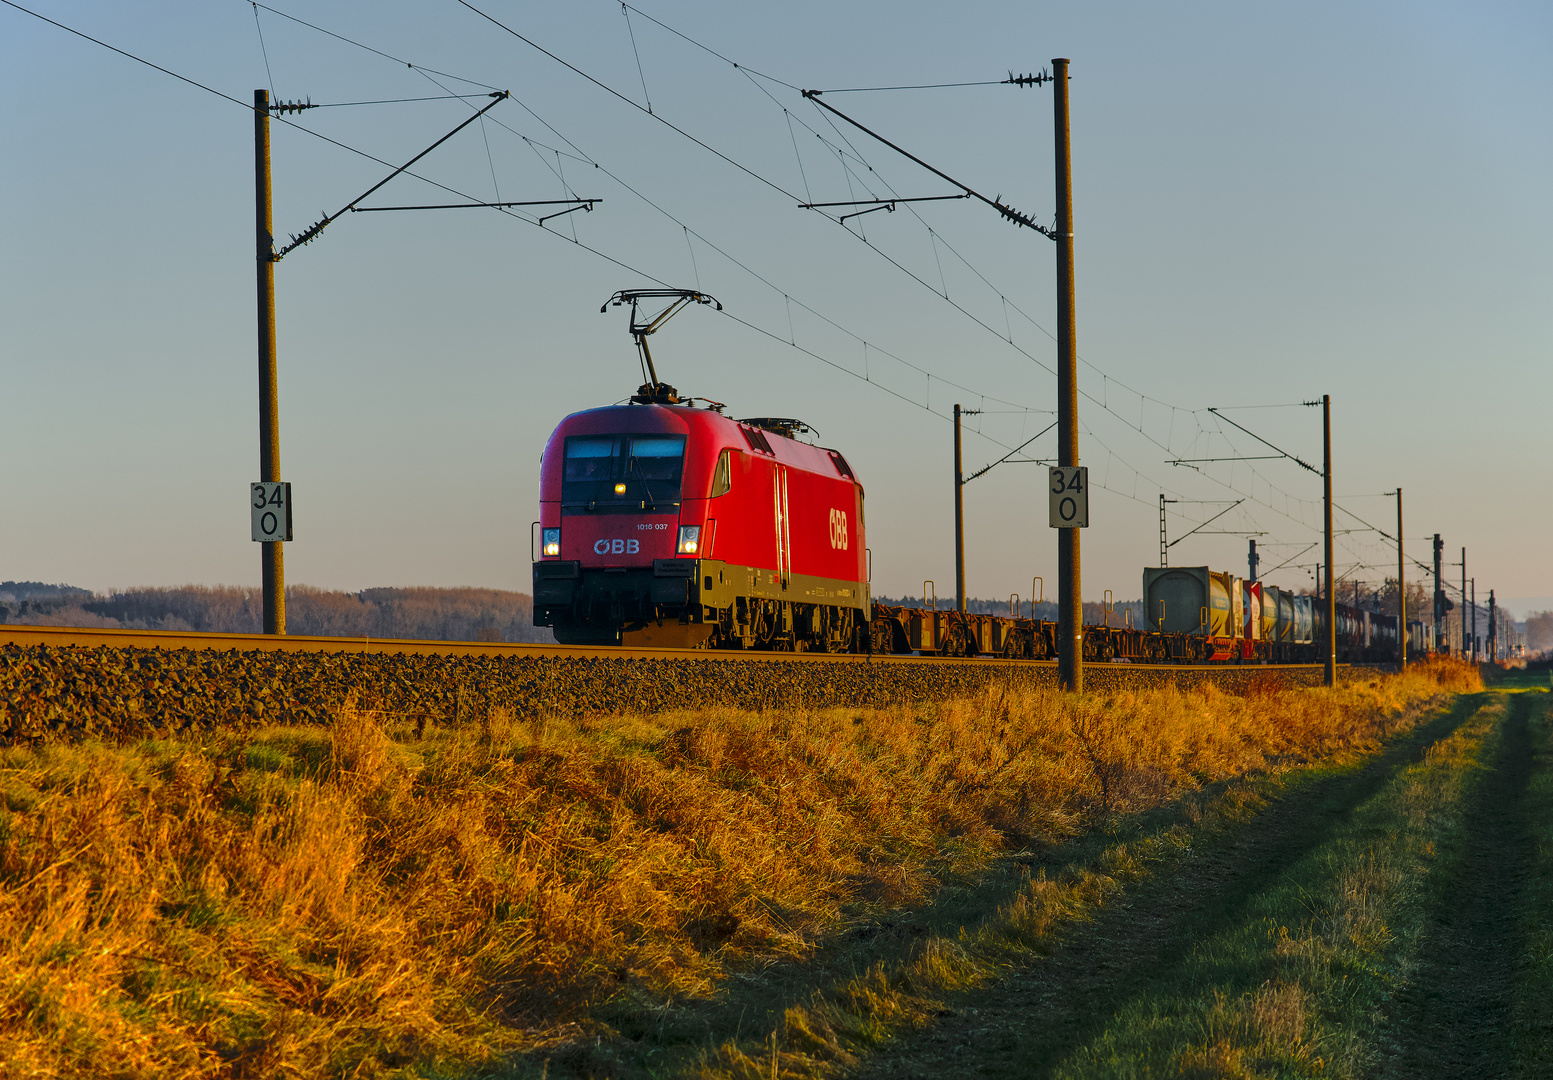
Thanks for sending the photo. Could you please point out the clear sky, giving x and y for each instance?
(1272, 202)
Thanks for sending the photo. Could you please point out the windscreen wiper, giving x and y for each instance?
(593, 496)
(649, 504)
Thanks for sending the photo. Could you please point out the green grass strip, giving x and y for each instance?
(1376, 938)
(1532, 1017)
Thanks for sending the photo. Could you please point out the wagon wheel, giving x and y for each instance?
(862, 640)
(882, 635)
(818, 640)
(837, 633)
(829, 638)
(957, 640)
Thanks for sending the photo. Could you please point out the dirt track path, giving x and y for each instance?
(1452, 1017)
(1450, 1022)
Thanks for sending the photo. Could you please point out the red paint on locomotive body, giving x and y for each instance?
(789, 510)
(631, 487)
(631, 531)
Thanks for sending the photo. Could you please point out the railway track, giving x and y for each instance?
(92, 637)
(70, 682)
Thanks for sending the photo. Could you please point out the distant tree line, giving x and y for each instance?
(1539, 632)
(465, 614)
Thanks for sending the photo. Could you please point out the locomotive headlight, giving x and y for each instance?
(620, 489)
(550, 540)
(689, 539)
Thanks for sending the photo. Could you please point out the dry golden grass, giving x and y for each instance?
(1269, 1024)
(361, 901)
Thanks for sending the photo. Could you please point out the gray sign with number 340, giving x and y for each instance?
(1069, 490)
(270, 502)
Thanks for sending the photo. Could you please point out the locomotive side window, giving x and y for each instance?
(722, 476)
(622, 474)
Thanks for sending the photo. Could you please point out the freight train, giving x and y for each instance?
(667, 523)
(663, 523)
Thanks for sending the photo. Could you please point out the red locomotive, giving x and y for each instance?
(667, 523)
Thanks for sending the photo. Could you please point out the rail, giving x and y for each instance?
(92, 637)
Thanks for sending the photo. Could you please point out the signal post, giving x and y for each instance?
(1439, 596)
(1401, 592)
(270, 498)
(1330, 659)
(1068, 482)
(272, 559)
(1070, 599)
(959, 520)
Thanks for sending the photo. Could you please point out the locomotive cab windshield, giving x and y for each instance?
(622, 474)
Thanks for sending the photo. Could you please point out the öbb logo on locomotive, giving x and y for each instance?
(746, 534)
(838, 529)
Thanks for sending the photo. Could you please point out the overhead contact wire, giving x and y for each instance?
(368, 48)
(611, 90)
(586, 158)
(575, 241)
(626, 11)
(269, 75)
(455, 191)
(1100, 402)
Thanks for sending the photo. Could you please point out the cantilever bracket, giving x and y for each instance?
(308, 235)
(996, 202)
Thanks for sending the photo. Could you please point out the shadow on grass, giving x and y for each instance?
(664, 1038)
(1453, 1017)
(1135, 950)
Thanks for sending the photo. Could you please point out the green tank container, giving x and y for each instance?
(1192, 600)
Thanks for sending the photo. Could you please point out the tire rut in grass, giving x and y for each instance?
(1452, 1019)
(1028, 1024)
